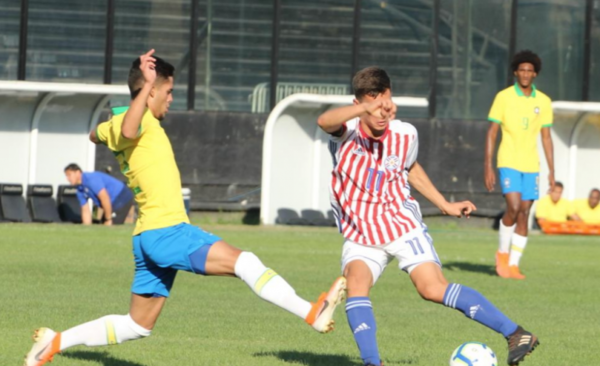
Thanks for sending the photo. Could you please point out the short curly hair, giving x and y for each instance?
(526, 56)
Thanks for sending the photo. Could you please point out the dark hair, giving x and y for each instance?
(370, 81)
(163, 70)
(526, 56)
(72, 167)
(559, 184)
(595, 190)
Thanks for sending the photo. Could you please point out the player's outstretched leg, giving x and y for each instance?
(432, 286)
(108, 330)
(224, 259)
(359, 311)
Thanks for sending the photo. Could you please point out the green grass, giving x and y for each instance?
(63, 275)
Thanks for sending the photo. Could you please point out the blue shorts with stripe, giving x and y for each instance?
(527, 184)
(160, 253)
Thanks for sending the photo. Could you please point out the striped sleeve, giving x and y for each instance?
(413, 148)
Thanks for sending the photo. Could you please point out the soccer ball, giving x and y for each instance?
(473, 354)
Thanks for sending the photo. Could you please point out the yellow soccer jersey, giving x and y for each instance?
(521, 119)
(585, 212)
(555, 212)
(149, 164)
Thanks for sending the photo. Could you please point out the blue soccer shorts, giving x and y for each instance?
(528, 184)
(160, 253)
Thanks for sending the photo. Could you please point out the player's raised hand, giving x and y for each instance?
(382, 107)
(459, 209)
(489, 178)
(147, 66)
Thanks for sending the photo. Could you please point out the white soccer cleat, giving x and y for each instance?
(321, 317)
(47, 344)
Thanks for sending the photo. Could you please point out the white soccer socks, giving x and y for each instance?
(505, 236)
(111, 329)
(516, 250)
(270, 286)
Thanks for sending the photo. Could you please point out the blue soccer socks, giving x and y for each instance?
(475, 306)
(363, 326)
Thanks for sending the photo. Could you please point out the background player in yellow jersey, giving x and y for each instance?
(552, 207)
(588, 210)
(521, 111)
(164, 241)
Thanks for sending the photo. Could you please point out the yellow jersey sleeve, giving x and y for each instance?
(497, 111)
(102, 131)
(547, 115)
(109, 134)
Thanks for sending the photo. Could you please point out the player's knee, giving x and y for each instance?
(512, 209)
(431, 292)
(246, 263)
(524, 212)
(359, 278)
(358, 286)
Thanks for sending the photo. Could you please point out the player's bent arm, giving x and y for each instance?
(332, 120)
(490, 147)
(133, 117)
(86, 215)
(418, 179)
(549, 152)
(104, 199)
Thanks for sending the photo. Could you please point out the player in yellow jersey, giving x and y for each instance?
(588, 211)
(521, 111)
(552, 207)
(163, 240)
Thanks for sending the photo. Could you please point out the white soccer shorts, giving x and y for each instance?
(410, 249)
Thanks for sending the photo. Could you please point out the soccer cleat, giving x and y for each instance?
(502, 264)
(520, 344)
(515, 273)
(47, 344)
(321, 314)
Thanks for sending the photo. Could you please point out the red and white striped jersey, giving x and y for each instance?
(370, 194)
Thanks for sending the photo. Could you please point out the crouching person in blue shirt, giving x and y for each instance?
(112, 195)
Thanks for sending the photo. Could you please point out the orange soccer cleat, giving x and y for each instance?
(321, 314)
(47, 344)
(502, 264)
(515, 273)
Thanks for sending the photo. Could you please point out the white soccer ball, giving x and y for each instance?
(473, 354)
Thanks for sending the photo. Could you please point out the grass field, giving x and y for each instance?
(63, 275)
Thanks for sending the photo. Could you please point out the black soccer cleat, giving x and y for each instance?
(520, 344)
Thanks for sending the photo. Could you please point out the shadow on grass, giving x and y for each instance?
(310, 359)
(320, 359)
(105, 359)
(471, 267)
